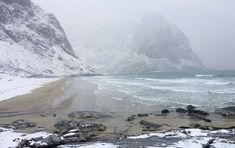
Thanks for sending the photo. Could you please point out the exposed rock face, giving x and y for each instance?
(33, 42)
(153, 44)
(164, 44)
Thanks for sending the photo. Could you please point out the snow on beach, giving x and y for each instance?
(10, 138)
(12, 87)
(16, 86)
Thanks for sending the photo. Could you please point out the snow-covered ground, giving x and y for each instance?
(9, 138)
(16, 86)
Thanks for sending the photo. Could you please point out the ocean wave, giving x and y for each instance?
(200, 75)
(214, 75)
(219, 83)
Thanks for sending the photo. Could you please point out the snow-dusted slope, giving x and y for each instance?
(151, 44)
(32, 42)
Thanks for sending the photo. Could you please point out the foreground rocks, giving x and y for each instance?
(40, 142)
(68, 131)
(19, 124)
(82, 126)
(191, 111)
(86, 114)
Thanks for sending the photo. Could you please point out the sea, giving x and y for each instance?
(207, 90)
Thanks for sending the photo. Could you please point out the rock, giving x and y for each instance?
(86, 114)
(149, 126)
(142, 115)
(226, 111)
(131, 118)
(1, 130)
(200, 117)
(199, 112)
(40, 129)
(208, 145)
(190, 107)
(165, 111)
(228, 114)
(21, 124)
(54, 115)
(40, 142)
(66, 125)
(82, 126)
(52, 140)
(181, 110)
(42, 115)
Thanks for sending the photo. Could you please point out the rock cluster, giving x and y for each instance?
(86, 114)
(226, 111)
(191, 111)
(19, 124)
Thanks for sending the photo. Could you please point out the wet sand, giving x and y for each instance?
(54, 101)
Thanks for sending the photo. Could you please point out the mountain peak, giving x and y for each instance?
(26, 30)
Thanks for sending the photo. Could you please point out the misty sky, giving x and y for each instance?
(209, 24)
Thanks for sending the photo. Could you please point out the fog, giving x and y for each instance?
(208, 24)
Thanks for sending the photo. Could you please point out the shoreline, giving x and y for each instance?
(53, 102)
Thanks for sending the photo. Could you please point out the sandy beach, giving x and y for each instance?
(47, 105)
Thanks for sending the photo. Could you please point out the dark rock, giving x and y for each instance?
(142, 115)
(42, 115)
(199, 112)
(226, 111)
(86, 114)
(165, 111)
(66, 125)
(200, 117)
(54, 115)
(21, 124)
(131, 118)
(149, 126)
(190, 107)
(208, 145)
(228, 114)
(181, 110)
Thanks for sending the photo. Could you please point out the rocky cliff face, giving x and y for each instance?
(33, 42)
(152, 44)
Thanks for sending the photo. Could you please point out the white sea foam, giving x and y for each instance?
(201, 75)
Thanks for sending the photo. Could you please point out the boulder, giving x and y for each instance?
(149, 126)
(181, 110)
(40, 142)
(86, 114)
(199, 112)
(200, 117)
(21, 124)
(131, 118)
(142, 115)
(165, 111)
(190, 107)
(226, 111)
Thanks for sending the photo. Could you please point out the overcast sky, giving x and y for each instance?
(209, 24)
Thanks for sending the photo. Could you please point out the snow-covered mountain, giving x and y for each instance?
(151, 44)
(32, 42)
